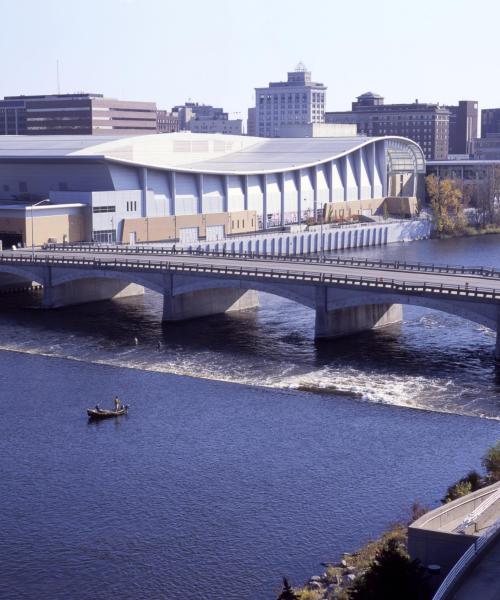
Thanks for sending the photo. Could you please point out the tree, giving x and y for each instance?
(287, 592)
(392, 576)
(491, 462)
(446, 203)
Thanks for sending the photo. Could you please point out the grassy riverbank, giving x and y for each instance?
(382, 568)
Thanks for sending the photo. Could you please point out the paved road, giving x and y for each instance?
(398, 276)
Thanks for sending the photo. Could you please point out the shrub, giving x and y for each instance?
(392, 576)
(491, 462)
(470, 483)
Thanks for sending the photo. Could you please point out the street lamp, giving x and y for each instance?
(32, 227)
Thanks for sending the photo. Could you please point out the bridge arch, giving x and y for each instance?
(482, 313)
(23, 273)
(152, 281)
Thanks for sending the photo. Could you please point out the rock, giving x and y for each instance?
(350, 577)
(314, 585)
(343, 563)
(351, 569)
(315, 578)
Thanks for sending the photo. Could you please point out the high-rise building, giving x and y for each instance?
(463, 127)
(298, 100)
(490, 121)
(75, 114)
(204, 118)
(426, 124)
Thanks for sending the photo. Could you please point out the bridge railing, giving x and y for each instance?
(466, 560)
(254, 272)
(332, 260)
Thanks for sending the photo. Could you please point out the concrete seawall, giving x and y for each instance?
(334, 238)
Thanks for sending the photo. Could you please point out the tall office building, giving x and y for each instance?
(75, 114)
(426, 124)
(490, 121)
(298, 100)
(463, 127)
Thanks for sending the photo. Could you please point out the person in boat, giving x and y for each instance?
(117, 403)
(98, 408)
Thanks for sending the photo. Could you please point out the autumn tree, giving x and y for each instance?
(446, 203)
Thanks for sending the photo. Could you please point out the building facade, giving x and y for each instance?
(490, 121)
(166, 122)
(205, 118)
(426, 124)
(75, 114)
(189, 186)
(296, 101)
(463, 127)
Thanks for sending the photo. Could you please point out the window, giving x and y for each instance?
(104, 209)
(104, 237)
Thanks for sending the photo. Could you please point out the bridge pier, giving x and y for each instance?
(192, 305)
(345, 321)
(82, 291)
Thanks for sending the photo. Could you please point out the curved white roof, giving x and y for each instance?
(190, 152)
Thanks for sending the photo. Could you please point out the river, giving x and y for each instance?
(250, 452)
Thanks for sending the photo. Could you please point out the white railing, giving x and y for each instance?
(466, 559)
(477, 512)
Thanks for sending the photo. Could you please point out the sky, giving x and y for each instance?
(217, 51)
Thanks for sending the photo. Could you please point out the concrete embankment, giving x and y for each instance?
(333, 238)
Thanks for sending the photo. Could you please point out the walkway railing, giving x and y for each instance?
(261, 273)
(451, 580)
(332, 260)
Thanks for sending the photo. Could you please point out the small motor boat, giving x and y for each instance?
(100, 413)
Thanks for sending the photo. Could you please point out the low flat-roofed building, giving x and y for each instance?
(189, 186)
(75, 114)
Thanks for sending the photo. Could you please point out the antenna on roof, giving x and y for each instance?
(57, 73)
(301, 67)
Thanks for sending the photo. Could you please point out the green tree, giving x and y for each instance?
(392, 576)
(446, 203)
(491, 462)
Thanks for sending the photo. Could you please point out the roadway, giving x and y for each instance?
(399, 276)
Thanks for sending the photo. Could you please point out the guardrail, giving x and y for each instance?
(259, 273)
(450, 581)
(335, 260)
(472, 517)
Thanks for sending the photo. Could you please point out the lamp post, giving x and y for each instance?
(33, 228)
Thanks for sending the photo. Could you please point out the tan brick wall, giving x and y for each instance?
(167, 228)
(62, 228)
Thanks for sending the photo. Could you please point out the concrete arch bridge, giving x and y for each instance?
(347, 295)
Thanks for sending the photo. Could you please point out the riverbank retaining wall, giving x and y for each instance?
(315, 239)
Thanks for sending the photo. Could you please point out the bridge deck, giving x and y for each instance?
(466, 285)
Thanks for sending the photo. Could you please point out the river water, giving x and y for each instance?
(250, 452)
